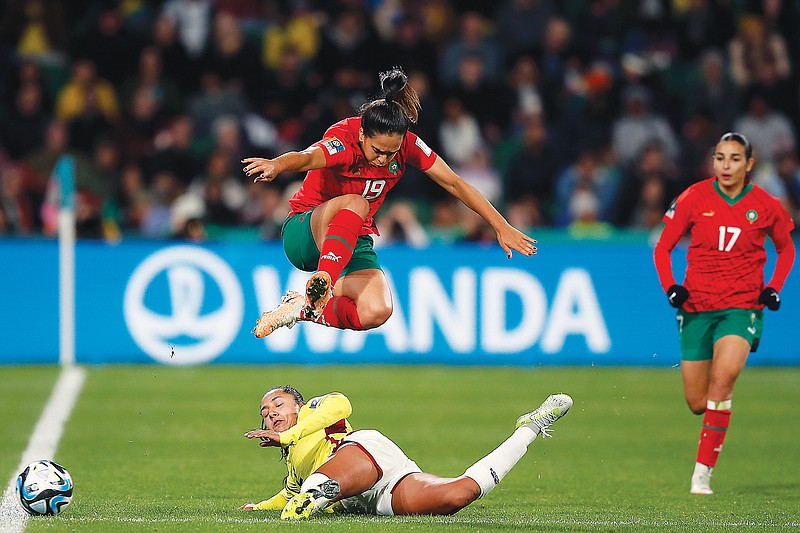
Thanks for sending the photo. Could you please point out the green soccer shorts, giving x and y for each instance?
(302, 251)
(699, 331)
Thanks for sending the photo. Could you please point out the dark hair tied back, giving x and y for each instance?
(392, 83)
(741, 139)
(396, 109)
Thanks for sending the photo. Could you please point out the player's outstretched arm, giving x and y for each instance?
(268, 169)
(509, 237)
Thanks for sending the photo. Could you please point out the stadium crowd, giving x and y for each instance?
(585, 114)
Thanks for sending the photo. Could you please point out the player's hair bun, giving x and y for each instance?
(393, 82)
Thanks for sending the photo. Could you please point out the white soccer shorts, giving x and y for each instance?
(392, 464)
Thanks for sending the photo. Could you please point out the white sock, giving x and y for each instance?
(312, 482)
(491, 469)
(724, 405)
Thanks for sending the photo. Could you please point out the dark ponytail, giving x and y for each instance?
(396, 109)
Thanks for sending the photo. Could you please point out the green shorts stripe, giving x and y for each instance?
(302, 251)
(699, 331)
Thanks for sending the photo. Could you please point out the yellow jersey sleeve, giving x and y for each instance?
(318, 413)
(277, 502)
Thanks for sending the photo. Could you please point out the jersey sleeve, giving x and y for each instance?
(780, 232)
(420, 155)
(324, 411)
(277, 502)
(338, 152)
(677, 220)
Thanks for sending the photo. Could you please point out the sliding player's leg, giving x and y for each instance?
(429, 494)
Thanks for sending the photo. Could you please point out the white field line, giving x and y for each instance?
(43, 442)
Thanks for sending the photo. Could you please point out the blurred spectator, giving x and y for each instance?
(289, 88)
(765, 127)
(477, 170)
(521, 25)
(108, 44)
(219, 190)
(584, 210)
(295, 27)
(136, 132)
(704, 24)
(488, 101)
(19, 201)
(192, 19)
(350, 43)
(597, 29)
(787, 167)
(36, 29)
(398, 223)
(753, 47)
(445, 226)
(409, 47)
(86, 89)
(266, 209)
(714, 93)
(158, 219)
(88, 104)
(586, 173)
(700, 135)
(22, 129)
(524, 213)
(638, 191)
(232, 58)
(459, 134)
(174, 152)
(472, 39)
(638, 126)
(532, 170)
(178, 67)
(215, 100)
(150, 77)
(132, 199)
(523, 79)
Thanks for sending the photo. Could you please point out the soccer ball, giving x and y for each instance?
(44, 488)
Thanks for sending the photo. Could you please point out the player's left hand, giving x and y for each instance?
(770, 298)
(510, 238)
(248, 507)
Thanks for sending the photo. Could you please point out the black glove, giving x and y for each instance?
(677, 295)
(770, 298)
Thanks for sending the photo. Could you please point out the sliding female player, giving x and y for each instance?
(333, 468)
(349, 173)
(721, 300)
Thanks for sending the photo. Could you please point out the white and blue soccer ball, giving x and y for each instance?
(44, 488)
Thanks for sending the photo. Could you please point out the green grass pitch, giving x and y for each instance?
(153, 448)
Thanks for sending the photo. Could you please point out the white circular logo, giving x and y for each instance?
(184, 324)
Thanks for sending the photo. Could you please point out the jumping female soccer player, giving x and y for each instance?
(331, 466)
(721, 300)
(349, 173)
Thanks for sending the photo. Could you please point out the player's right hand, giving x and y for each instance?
(677, 296)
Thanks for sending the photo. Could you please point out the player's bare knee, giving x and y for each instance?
(375, 314)
(459, 497)
(356, 203)
(697, 408)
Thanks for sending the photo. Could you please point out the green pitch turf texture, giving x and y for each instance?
(153, 448)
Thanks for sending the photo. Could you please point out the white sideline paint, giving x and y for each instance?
(43, 442)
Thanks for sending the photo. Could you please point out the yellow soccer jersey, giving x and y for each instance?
(321, 423)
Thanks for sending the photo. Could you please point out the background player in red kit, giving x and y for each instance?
(328, 229)
(721, 300)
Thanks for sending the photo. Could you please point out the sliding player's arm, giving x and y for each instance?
(276, 503)
(324, 411)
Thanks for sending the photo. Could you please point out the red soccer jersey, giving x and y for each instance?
(347, 171)
(726, 256)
